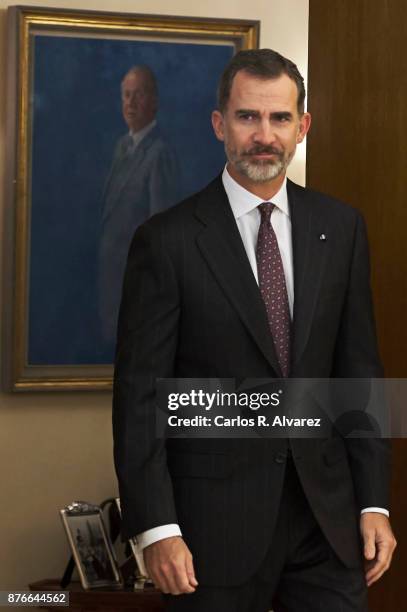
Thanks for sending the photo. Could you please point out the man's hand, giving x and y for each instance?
(379, 544)
(169, 564)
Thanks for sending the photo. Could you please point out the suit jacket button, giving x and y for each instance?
(280, 458)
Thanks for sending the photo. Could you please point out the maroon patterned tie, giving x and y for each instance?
(272, 287)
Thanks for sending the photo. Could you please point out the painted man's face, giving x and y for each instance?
(138, 101)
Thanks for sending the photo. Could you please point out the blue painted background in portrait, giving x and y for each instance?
(77, 120)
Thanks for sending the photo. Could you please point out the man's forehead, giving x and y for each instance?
(248, 88)
(134, 79)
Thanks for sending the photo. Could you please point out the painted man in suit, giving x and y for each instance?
(142, 181)
(236, 524)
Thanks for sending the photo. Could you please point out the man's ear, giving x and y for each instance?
(305, 123)
(217, 124)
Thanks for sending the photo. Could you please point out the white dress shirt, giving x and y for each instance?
(138, 136)
(244, 207)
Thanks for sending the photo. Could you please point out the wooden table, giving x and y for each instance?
(146, 600)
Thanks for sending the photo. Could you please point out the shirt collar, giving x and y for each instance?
(138, 136)
(243, 201)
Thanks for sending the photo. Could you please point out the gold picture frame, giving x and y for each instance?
(48, 317)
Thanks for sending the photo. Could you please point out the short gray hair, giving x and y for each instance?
(149, 75)
(263, 64)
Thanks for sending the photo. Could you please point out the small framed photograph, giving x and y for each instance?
(91, 547)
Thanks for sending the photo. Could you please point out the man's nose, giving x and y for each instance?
(265, 133)
(133, 100)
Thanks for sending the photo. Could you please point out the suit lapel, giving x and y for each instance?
(138, 156)
(127, 164)
(222, 247)
(308, 261)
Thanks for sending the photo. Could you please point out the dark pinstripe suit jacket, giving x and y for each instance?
(191, 308)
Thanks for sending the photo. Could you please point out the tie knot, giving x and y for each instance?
(265, 210)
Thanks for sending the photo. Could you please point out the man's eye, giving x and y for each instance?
(247, 117)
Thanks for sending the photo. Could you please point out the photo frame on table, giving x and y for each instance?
(91, 546)
(67, 135)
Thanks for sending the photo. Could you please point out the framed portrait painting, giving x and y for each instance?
(108, 124)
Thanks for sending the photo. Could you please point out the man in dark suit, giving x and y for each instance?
(142, 181)
(253, 277)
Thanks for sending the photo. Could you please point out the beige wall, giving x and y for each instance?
(57, 447)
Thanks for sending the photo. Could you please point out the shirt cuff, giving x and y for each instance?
(374, 509)
(150, 536)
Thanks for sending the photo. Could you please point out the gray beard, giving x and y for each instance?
(260, 171)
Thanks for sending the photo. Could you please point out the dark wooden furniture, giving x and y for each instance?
(357, 151)
(146, 600)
